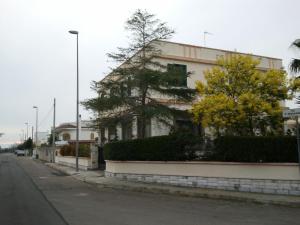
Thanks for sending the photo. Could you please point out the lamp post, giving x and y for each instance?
(53, 133)
(77, 101)
(36, 124)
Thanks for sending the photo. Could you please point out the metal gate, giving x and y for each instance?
(101, 161)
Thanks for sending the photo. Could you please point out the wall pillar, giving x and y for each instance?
(134, 128)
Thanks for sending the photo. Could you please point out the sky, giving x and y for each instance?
(38, 55)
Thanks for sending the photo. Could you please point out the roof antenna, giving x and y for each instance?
(204, 37)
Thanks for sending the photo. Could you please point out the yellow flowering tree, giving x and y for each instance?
(239, 99)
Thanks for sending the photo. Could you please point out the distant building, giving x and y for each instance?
(67, 132)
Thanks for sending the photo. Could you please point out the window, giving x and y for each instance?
(147, 128)
(125, 88)
(187, 125)
(179, 72)
(126, 131)
(66, 136)
(112, 133)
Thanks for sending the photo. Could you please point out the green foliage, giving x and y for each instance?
(161, 148)
(255, 149)
(50, 139)
(128, 91)
(182, 147)
(295, 63)
(239, 99)
(70, 150)
(27, 144)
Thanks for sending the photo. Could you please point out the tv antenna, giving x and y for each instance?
(204, 37)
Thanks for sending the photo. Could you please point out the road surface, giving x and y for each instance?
(33, 194)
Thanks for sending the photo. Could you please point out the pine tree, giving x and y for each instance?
(131, 90)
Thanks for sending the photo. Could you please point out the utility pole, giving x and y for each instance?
(36, 127)
(26, 137)
(53, 131)
(298, 139)
(23, 135)
(32, 140)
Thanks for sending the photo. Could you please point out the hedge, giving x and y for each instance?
(255, 149)
(186, 147)
(161, 148)
(69, 150)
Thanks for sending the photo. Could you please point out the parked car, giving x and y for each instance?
(20, 152)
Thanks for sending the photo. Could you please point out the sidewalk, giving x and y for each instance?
(97, 178)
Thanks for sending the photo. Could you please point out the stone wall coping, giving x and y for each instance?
(205, 163)
(72, 157)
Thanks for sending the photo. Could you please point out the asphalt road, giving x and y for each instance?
(31, 193)
(20, 200)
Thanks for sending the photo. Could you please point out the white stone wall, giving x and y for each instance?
(46, 153)
(269, 186)
(275, 178)
(83, 162)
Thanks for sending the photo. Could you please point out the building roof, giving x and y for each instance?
(174, 57)
(72, 125)
(219, 49)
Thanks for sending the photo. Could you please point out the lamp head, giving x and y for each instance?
(73, 32)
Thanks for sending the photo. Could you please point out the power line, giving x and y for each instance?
(45, 117)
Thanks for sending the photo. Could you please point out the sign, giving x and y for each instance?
(291, 113)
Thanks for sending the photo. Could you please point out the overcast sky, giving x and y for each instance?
(37, 54)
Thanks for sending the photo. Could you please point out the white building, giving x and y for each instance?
(67, 132)
(191, 58)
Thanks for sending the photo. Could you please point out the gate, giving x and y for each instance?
(101, 161)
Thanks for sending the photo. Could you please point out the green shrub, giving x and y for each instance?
(161, 148)
(255, 149)
(70, 150)
(187, 147)
(84, 150)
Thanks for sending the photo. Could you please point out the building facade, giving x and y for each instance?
(189, 58)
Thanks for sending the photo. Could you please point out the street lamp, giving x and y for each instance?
(36, 124)
(77, 103)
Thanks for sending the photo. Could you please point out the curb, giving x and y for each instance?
(184, 191)
(191, 193)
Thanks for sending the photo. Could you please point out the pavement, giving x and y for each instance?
(96, 177)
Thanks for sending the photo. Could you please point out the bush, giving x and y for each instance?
(161, 148)
(255, 149)
(84, 150)
(182, 147)
(70, 150)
